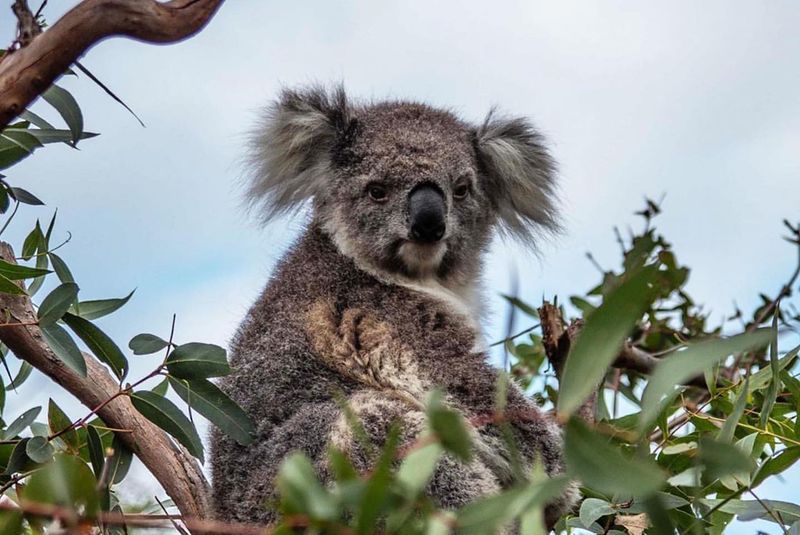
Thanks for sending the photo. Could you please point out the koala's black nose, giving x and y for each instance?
(426, 214)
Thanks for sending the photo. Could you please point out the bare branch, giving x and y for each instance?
(27, 72)
(173, 467)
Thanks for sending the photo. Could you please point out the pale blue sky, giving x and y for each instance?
(698, 101)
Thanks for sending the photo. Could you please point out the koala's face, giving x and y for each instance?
(405, 194)
(402, 187)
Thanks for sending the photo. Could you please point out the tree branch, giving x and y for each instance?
(28, 71)
(173, 467)
(558, 338)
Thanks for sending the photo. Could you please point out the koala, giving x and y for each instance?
(378, 302)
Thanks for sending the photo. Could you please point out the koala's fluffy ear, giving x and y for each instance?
(520, 174)
(292, 148)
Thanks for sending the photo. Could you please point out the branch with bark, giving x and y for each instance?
(26, 72)
(175, 469)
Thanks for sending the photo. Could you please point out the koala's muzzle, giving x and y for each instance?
(426, 214)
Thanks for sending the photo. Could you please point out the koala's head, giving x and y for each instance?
(402, 187)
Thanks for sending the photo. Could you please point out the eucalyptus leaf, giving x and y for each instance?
(168, 417)
(64, 347)
(99, 343)
(207, 399)
(197, 361)
(67, 107)
(56, 304)
(602, 336)
(682, 365)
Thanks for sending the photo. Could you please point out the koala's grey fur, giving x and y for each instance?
(356, 308)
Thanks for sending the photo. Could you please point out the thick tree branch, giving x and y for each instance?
(27, 72)
(176, 470)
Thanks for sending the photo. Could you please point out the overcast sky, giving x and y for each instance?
(696, 101)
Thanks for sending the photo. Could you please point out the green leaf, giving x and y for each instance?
(22, 138)
(376, 491)
(32, 242)
(56, 303)
(11, 153)
(26, 197)
(18, 461)
(775, 381)
(602, 337)
(747, 510)
(598, 464)
(56, 135)
(161, 388)
(93, 309)
(678, 367)
(204, 397)
(449, 427)
(64, 347)
(58, 421)
(488, 514)
(17, 272)
(594, 508)
(96, 454)
(66, 105)
(120, 462)
(67, 482)
(777, 464)
(144, 344)
(11, 522)
(23, 373)
(197, 361)
(98, 343)
(21, 423)
(762, 378)
(61, 269)
(39, 450)
(729, 427)
(34, 119)
(301, 491)
(418, 467)
(8, 287)
(168, 417)
(721, 459)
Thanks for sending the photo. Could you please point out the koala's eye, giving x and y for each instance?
(377, 192)
(461, 190)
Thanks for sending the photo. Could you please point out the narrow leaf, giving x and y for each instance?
(39, 450)
(98, 343)
(93, 309)
(64, 347)
(602, 337)
(168, 417)
(56, 303)
(197, 361)
(207, 399)
(145, 343)
(67, 106)
(18, 272)
(21, 423)
(682, 365)
(58, 421)
(598, 464)
(8, 287)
